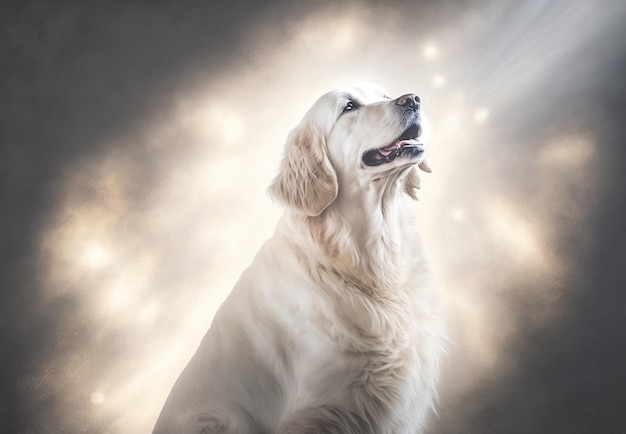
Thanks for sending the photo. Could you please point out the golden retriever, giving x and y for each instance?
(334, 326)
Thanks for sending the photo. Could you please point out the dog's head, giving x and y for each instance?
(350, 138)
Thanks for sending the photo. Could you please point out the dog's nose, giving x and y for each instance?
(410, 101)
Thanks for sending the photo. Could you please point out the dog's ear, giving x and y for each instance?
(412, 180)
(306, 179)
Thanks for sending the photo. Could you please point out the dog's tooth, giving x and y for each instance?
(425, 166)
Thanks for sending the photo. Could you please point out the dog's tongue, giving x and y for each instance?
(388, 149)
(400, 143)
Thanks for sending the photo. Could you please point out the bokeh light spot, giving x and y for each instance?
(439, 80)
(97, 398)
(430, 51)
(481, 115)
(95, 255)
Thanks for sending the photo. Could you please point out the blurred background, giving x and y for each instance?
(138, 138)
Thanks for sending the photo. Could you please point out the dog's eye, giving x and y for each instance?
(349, 107)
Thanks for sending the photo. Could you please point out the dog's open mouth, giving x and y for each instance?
(406, 146)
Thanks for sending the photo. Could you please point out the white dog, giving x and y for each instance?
(334, 326)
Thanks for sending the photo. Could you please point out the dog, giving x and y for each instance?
(335, 326)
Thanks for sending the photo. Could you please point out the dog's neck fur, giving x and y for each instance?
(367, 248)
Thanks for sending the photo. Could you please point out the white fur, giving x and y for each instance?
(334, 327)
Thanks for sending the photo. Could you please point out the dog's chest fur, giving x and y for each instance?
(373, 353)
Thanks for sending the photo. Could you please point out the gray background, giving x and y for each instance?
(85, 80)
